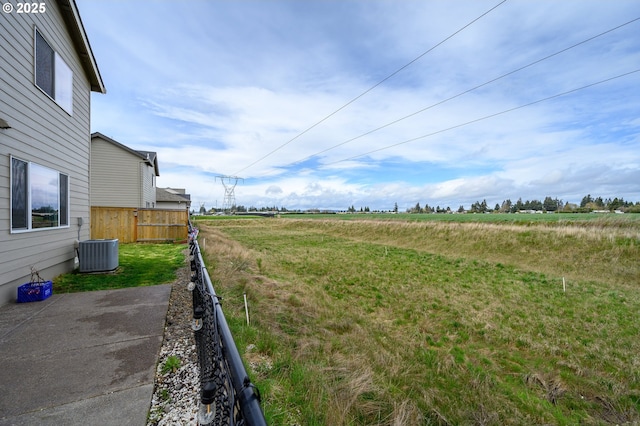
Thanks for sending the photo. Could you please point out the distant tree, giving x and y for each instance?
(506, 206)
(599, 202)
(395, 208)
(634, 208)
(519, 205)
(417, 208)
(479, 207)
(461, 209)
(616, 204)
(586, 200)
(535, 205)
(496, 208)
(551, 205)
(202, 210)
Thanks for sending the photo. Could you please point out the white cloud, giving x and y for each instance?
(273, 190)
(231, 88)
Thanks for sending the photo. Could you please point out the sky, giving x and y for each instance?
(330, 104)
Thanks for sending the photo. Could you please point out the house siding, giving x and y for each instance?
(43, 133)
(171, 205)
(115, 175)
(148, 186)
(121, 176)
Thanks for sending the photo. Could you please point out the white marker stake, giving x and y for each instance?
(564, 285)
(246, 307)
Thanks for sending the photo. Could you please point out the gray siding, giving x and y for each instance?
(120, 176)
(148, 186)
(116, 179)
(41, 132)
(171, 205)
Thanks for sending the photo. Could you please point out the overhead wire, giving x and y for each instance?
(370, 89)
(486, 117)
(462, 93)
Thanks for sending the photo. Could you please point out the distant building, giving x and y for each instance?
(173, 199)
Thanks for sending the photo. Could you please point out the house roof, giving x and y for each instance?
(72, 19)
(150, 157)
(175, 195)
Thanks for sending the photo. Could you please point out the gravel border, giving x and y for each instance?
(176, 393)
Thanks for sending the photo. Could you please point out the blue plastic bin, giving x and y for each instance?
(34, 292)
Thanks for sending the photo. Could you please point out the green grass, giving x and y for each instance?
(434, 323)
(139, 265)
(518, 218)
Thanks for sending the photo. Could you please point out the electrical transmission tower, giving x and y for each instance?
(229, 183)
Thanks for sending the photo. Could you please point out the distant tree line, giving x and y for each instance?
(243, 209)
(588, 204)
(549, 204)
(45, 209)
(352, 209)
(428, 209)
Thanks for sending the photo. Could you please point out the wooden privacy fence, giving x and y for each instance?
(131, 225)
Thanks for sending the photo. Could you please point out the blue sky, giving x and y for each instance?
(231, 87)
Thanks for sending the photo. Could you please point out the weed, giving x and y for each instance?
(164, 395)
(171, 364)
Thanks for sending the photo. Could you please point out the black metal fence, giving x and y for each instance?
(227, 396)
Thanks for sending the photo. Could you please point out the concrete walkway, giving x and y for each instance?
(81, 358)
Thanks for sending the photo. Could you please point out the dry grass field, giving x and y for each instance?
(403, 323)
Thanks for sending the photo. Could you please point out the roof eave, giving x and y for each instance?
(72, 18)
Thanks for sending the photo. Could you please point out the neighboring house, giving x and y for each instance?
(121, 176)
(123, 196)
(172, 199)
(47, 74)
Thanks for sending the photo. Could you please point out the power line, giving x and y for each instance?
(464, 92)
(486, 117)
(372, 87)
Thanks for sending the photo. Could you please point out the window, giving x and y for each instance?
(53, 75)
(39, 197)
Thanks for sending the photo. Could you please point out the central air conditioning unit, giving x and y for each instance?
(98, 255)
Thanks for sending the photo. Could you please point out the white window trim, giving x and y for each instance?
(29, 216)
(58, 59)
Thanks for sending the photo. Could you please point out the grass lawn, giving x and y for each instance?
(139, 265)
(398, 322)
